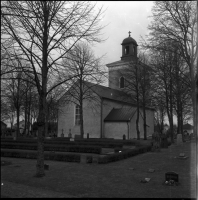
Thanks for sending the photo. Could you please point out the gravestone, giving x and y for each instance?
(151, 170)
(172, 176)
(124, 137)
(179, 139)
(182, 156)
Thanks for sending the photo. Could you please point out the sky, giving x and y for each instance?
(120, 17)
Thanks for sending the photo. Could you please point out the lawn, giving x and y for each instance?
(116, 179)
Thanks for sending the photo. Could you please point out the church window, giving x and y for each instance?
(126, 50)
(77, 115)
(134, 50)
(122, 82)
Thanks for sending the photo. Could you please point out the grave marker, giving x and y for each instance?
(172, 176)
(151, 170)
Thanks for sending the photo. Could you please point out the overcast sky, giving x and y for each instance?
(120, 18)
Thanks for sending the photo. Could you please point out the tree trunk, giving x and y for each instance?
(47, 121)
(18, 114)
(137, 122)
(144, 118)
(42, 97)
(81, 121)
(41, 131)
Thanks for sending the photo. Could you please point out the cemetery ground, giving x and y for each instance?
(115, 179)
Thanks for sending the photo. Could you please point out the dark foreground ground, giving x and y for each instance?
(119, 179)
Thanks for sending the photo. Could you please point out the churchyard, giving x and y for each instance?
(142, 175)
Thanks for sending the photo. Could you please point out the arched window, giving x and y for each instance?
(122, 82)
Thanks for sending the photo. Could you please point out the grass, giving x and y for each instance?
(116, 179)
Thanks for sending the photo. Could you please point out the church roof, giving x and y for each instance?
(120, 115)
(110, 93)
(119, 62)
(129, 40)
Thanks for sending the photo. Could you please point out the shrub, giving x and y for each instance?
(124, 154)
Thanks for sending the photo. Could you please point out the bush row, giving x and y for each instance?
(98, 144)
(47, 156)
(48, 147)
(124, 154)
(76, 157)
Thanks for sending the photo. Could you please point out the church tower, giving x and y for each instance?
(129, 49)
(116, 69)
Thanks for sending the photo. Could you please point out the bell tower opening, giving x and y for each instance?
(126, 50)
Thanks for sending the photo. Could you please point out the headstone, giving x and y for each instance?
(172, 176)
(182, 155)
(124, 137)
(151, 170)
(179, 139)
(146, 180)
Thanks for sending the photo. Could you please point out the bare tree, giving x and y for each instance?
(44, 32)
(132, 87)
(176, 21)
(82, 64)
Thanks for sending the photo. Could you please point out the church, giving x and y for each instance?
(111, 112)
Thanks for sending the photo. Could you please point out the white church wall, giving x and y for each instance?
(91, 117)
(115, 130)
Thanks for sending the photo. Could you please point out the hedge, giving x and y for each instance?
(76, 157)
(47, 156)
(66, 143)
(124, 154)
(51, 147)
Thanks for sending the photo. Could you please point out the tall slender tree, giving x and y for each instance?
(176, 21)
(44, 32)
(82, 64)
